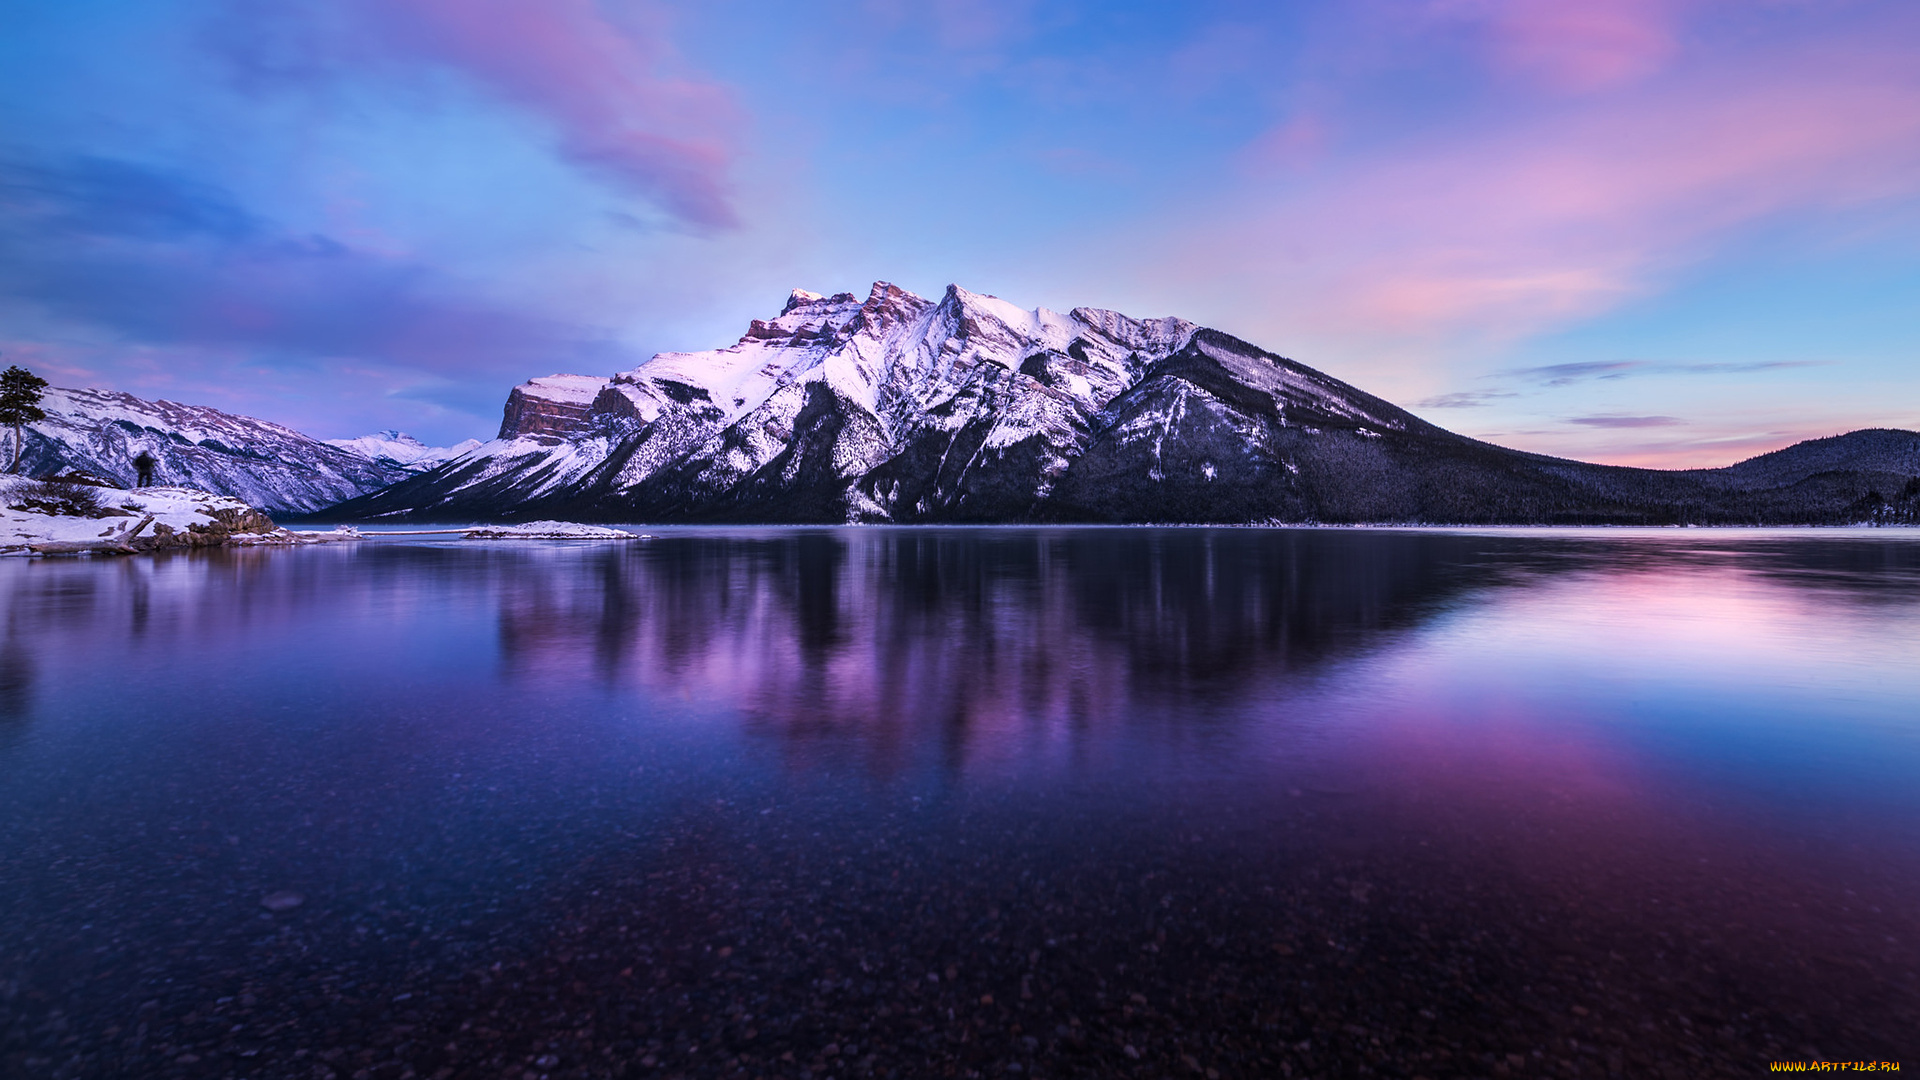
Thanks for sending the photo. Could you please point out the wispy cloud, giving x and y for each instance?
(1568, 374)
(1625, 421)
(1735, 367)
(609, 89)
(89, 197)
(1578, 48)
(1467, 399)
(1536, 379)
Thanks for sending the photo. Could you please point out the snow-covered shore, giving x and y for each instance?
(38, 518)
(55, 518)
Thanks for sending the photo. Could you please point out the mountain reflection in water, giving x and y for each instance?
(970, 645)
(1089, 802)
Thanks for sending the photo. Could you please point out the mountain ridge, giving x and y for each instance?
(897, 408)
(402, 449)
(269, 465)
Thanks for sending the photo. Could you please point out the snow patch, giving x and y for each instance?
(551, 530)
(571, 389)
(123, 516)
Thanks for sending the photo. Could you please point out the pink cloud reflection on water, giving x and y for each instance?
(1695, 635)
(1683, 755)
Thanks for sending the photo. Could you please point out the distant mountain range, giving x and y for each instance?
(402, 449)
(270, 466)
(969, 409)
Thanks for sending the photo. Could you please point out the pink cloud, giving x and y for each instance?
(607, 90)
(1582, 46)
(1501, 227)
(1301, 139)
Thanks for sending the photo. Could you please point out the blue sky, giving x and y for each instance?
(1665, 232)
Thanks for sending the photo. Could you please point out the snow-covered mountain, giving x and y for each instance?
(972, 409)
(831, 410)
(403, 450)
(270, 466)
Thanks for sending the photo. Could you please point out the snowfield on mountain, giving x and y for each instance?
(402, 449)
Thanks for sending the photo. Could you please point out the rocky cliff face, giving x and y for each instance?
(970, 409)
(553, 405)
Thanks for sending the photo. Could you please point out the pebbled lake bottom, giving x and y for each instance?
(909, 803)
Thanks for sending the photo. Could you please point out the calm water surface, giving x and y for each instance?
(908, 802)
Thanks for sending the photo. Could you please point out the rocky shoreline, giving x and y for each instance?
(80, 516)
(83, 515)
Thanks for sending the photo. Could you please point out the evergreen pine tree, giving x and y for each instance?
(20, 392)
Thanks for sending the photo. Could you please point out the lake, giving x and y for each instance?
(903, 802)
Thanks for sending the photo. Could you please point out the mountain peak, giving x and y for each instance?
(888, 305)
(886, 292)
(800, 298)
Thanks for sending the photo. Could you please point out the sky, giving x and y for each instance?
(1670, 233)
